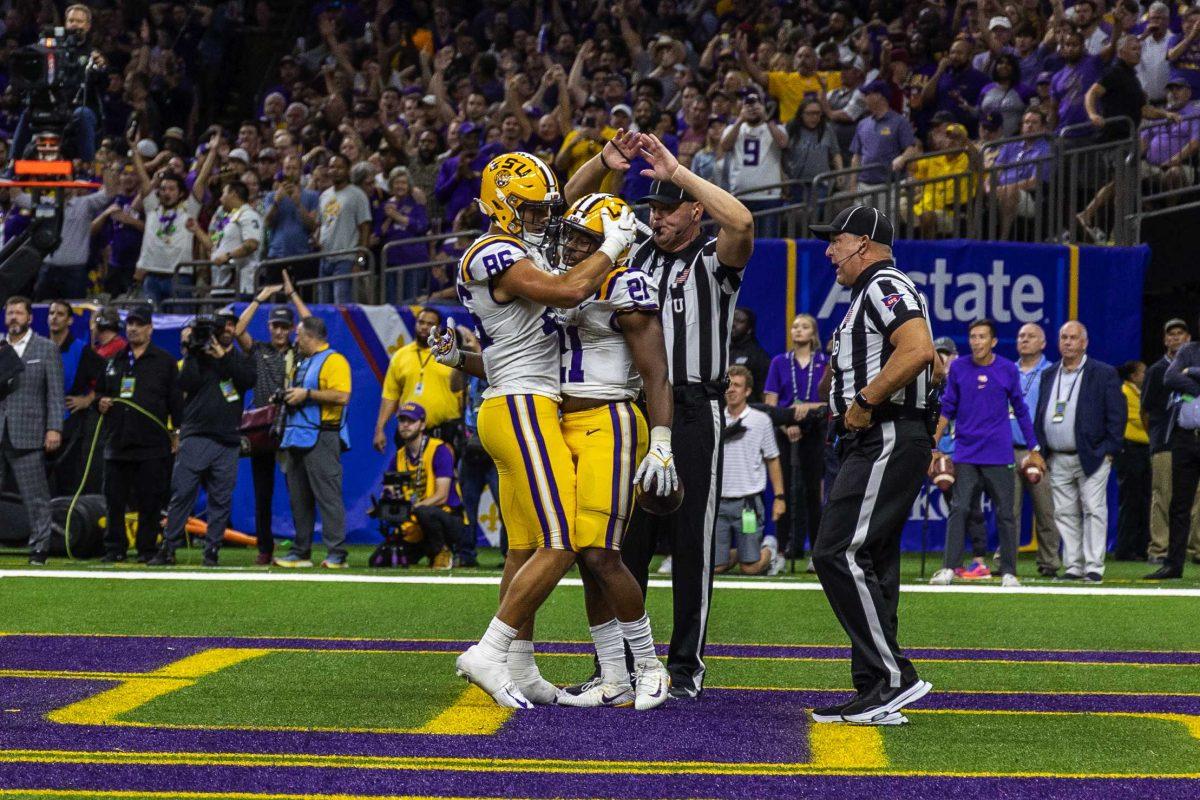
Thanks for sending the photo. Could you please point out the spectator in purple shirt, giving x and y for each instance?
(882, 142)
(1036, 57)
(956, 85)
(793, 380)
(979, 393)
(120, 228)
(1168, 147)
(1029, 163)
(458, 179)
(1069, 86)
(1184, 50)
(402, 217)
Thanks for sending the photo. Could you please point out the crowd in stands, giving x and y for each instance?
(372, 133)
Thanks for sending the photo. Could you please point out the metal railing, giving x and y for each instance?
(398, 281)
(1168, 168)
(202, 295)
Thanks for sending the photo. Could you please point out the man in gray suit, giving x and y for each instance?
(31, 418)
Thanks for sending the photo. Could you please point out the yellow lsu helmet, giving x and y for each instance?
(513, 182)
(585, 217)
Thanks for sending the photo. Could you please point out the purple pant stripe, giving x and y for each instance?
(525, 456)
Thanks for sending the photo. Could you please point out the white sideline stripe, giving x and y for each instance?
(655, 583)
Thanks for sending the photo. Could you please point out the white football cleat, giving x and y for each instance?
(651, 679)
(894, 718)
(491, 676)
(538, 690)
(1009, 581)
(596, 694)
(942, 577)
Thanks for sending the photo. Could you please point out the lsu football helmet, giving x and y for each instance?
(584, 219)
(515, 184)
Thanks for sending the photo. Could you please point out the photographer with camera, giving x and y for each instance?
(79, 75)
(313, 442)
(31, 419)
(214, 379)
(432, 491)
(274, 363)
(139, 445)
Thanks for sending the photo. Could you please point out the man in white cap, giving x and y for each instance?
(998, 39)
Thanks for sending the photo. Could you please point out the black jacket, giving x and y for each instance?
(215, 395)
(131, 435)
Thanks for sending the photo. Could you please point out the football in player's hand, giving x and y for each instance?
(1031, 470)
(941, 471)
(659, 505)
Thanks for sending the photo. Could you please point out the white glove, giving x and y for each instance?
(444, 345)
(619, 234)
(658, 464)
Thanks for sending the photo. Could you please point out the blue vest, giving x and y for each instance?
(70, 362)
(304, 421)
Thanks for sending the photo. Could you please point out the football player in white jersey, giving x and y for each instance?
(505, 282)
(612, 348)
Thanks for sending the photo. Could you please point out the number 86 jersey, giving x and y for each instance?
(520, 338)
(596, 360)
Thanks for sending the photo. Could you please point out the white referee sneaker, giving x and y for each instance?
(881, 369)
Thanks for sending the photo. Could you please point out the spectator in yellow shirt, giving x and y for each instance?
(1132, 465)
(790, 88)
(585, 141)
(941, 195)
(414, 376)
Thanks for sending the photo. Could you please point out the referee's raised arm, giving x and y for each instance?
(735, 239)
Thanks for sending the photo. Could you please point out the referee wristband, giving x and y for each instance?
(862, 401)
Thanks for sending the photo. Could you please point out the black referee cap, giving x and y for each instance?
(666, 192)
(858, 221)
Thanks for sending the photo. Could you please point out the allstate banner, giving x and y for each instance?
(963, 281)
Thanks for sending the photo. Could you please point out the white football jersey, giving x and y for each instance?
(596, 361)
(520, 338)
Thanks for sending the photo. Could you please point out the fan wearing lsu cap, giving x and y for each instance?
(612, 347)
(507, 286)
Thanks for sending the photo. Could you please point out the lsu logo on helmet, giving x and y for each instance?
(585, 217)
(515, 184)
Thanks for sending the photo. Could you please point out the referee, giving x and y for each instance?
(698, 278)
(881, 368)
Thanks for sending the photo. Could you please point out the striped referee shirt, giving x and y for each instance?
(697, 295)
(882, 299)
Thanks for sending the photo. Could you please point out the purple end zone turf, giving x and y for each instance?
(298, 781)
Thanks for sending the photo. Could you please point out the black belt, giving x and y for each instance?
(891, 412)
(1066, 452)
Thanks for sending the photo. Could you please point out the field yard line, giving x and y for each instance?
(494, 580)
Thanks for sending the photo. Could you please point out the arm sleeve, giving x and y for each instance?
(489, 258)
(251, 226)
(242, 371)
(904, 133)
(335, 374)
(1017, 401)
(418, 221)
(54, 391)
(1116, 412)
(446, 182)
(362, 207)
(393, 385)
(770, 448)
(629, 290)
(189, 374)
(174, 395)
(774, 382)
(443, 462)
(892, 303)
(950, 394)
(1176, 380)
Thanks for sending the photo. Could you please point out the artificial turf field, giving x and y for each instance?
(233, 688)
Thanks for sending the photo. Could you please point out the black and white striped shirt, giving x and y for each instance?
(697, 295)
(882, 299)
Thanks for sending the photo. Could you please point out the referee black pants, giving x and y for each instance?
(857, 552)
(696, 442)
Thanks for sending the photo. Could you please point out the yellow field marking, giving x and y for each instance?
(400, 763)
(846, 747)
(106, 707)
(472, 714)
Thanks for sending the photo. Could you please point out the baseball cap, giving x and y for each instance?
(999, 22)
(1175, 322)
(622, 108)
(174, 133)
(267, 153)
(668, 193)
(749, 95)
(1177, 79)
(1046, 77)
(875, 87)
(942, 118)
(411, 411)
(944, 344)
(468, 128)
(859, 221)
(226, 315)
(239, 154)
(108, 319)
(138, 312)
(429, 100)
(281, 315)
